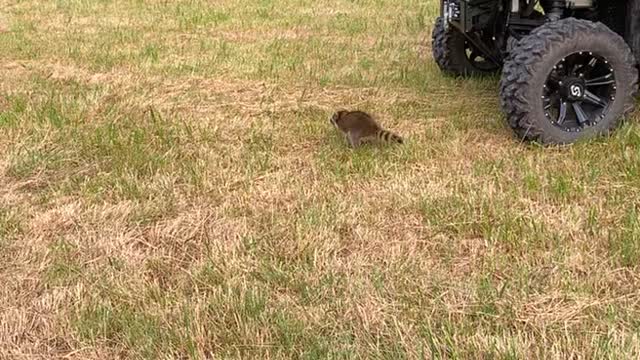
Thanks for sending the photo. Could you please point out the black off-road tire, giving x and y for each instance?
(532, 60)
(448, 46)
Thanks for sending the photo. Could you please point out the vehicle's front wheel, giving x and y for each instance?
(455, 55)
(568, 80)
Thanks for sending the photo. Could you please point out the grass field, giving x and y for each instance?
(170, 187)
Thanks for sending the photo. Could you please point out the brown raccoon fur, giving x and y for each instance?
(359, 127)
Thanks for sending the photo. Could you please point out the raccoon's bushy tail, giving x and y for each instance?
(388, 136)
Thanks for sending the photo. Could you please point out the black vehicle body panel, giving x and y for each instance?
(471, 16)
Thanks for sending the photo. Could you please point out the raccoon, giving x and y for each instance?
(359, 127)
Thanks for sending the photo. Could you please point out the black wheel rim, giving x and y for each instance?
(579, 91)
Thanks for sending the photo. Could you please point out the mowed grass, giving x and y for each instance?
(171, 188)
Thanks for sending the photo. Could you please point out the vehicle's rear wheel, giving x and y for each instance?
(568, 80)
(455, 55)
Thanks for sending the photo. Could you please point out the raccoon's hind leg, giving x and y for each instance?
(371, 139)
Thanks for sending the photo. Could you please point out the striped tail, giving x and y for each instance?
(388, 136)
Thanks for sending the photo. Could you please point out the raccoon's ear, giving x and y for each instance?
(337, 115)
(341, 112)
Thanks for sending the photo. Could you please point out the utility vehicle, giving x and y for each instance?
(569, 68)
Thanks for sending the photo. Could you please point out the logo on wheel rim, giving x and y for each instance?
(576, 90)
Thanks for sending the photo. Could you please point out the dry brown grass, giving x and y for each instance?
(171, 188)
